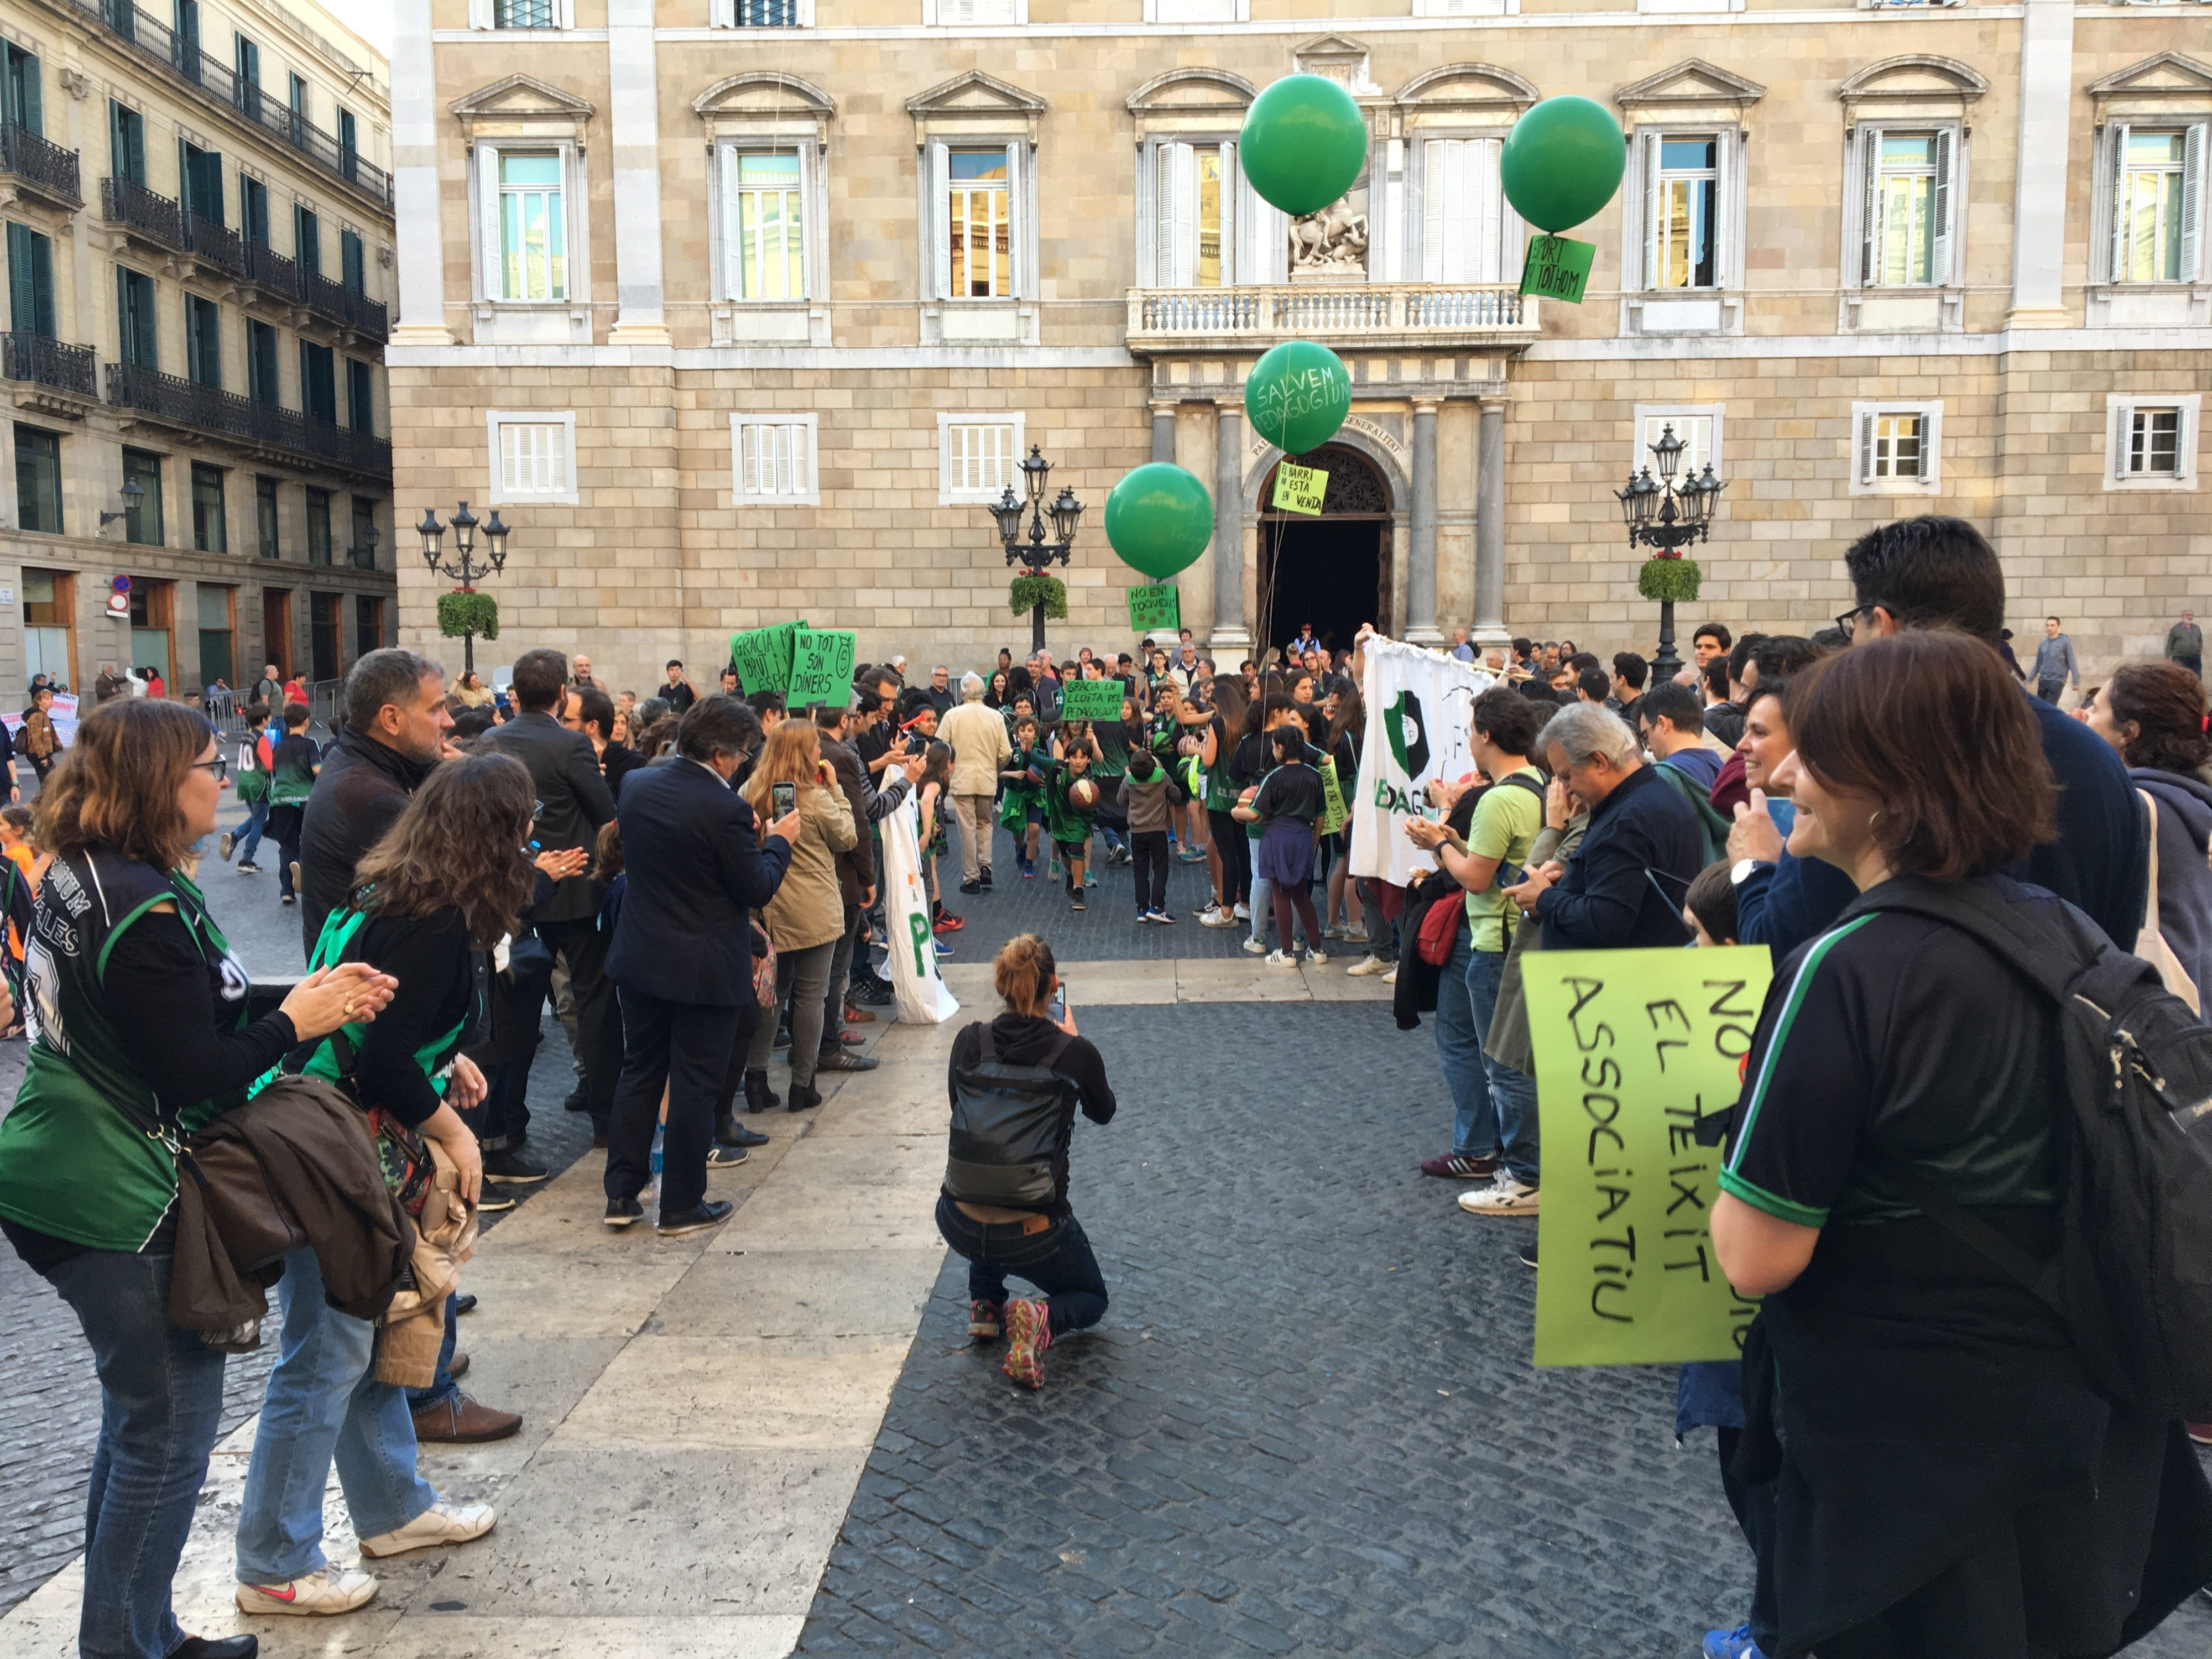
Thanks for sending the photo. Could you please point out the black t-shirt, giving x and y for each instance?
(679, 697)
(1897, 1032)
(1291, 792)
(1024, 1040)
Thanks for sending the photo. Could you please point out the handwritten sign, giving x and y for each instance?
(1632, 1048)
(1155, 606)
(1300, 489)
(1091, 700)
(763, 656)
(820, 667)
(1557, 268)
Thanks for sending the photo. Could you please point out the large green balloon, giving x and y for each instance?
(1562, 162)
(1304, 141)
(1159, 519)
(1297, 396)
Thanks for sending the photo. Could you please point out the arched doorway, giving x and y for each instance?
(1333, 571)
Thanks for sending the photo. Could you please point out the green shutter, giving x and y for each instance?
(30, 283)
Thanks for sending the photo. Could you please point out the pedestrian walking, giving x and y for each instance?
(256, 761)
(2056, 667)
(980, 751)
(2184, 644)
(293, 764)
(38, 743)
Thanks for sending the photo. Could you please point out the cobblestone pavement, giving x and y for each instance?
(1308, 1423)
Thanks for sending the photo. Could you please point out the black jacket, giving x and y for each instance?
(1623, 886)
(575, 801)
(359, 794)
(695, 869)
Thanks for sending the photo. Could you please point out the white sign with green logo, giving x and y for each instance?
(1419, 728)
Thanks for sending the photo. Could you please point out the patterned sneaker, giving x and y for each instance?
(1504, 1196)
(1461, 1166)
(334, 1589)
(984, 1319)
(1281, 959)
(1029, 1333)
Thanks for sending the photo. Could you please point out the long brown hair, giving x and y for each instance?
(791, 755)
(1023, 972)
(459, 842)
(117, 784)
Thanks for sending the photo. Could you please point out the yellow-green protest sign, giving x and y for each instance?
(1557, 268)
(1155, 607)
(1092, 700)
(821, 667)
(762, 656)
(1632, 1048)
(1300, 489)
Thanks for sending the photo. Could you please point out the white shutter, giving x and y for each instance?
(1728, 218)
(1486, 217)
(1939, 260)
(1654, 209)
(1232, 269)
(808, 224)
(1452, 187)
(494, 265)
(732, 238)
(940, 220)
(1184, 162)
(1866, 447)
(2116, 189)
(479, 14)
(1432, 209)
(1018, 225)
(2123, 425)
(1268, 237)
(2193, 201)
(1870, 213)
(1167, 243)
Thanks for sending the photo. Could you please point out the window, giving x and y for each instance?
(254, 210)
(153, 604)
(142, 514)
(264, 517)
(526, 14)
(200, 174)
(1697, 425)
(763, 224)
(1900, 448)
(21, 101)
(533, 456)
(1194, 192)
(1468, 234)
(349, 144)
(126, 143)
(763, 14)
(261, 362)
(977, 456)
(187, 15)
(971, 14)
(773, 460)
(210, 525)
(976, 207)
(361, 396)
(531, 240)
(248, 66)
(203, 342)
(318, 393)
(2155, 208)
(1685, 204)
(353, 268)
(2151, 441)
(1907, 228)
(318, 530)
(49, 625)
(362, 550)
(367, 624)
(218, 617)
(307, 241)
(295, 95)
(38, 480)
(30, 283)
(326, 612)
(134, 311)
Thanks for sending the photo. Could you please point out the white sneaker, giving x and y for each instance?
(224, 846)
(1281, 959)
(1254, 948)
(1216, 918)
(1316, 958)
(441, 1524)
(1504, 1196)
(334, 1589)
(1368, 965)
(1391, 978)
(1243, 913)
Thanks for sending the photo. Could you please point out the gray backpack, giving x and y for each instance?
(1005, 1127)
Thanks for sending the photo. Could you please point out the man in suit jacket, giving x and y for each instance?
(573, 803)
(683, 957)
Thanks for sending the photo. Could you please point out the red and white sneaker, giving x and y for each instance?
(1029, 1333)
(334, 1589)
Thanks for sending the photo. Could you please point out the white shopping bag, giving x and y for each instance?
(921, 991)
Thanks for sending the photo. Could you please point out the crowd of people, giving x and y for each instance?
(693, 882)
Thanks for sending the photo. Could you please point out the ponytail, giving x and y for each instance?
(1023, 972)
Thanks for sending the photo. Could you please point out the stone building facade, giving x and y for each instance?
(198, 222)
(744, 309)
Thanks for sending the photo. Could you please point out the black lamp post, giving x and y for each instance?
(466, 526)
(1042, 549)
(1667, 517)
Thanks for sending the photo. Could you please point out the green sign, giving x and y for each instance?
(1300, 489)
(820, 667)
(763, 656)
(1092, 700)
(1155, 606)
(1557, 268)
(1632, 1048)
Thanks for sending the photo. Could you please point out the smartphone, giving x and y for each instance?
(783, 799)
(1059, 1008)
(917, 745)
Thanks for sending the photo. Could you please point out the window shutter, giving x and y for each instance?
(1432, 209)
(1267, 240)
(2117, 133)
(940, 220)
(21, 305)
(1231, 268)
(42, 285)
(1728, 222)
(1018, 223)
(1167, 262)
(1939, 263)
(1485, 203)
(480, 14)
(1452, 182)
(1869, 215)
(1866, 447)
(726, 173)
(808, 160)
(495, 254)
(2192, 202)
(33, 114)
(2123, 430)
(1184, 163)
(1654, 227)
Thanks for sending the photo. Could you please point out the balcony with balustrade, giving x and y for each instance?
(260, 427)
(40, 168)
(1377, 316)
(55, 377)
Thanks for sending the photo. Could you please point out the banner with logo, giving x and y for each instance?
(1419, 704)
(922, 996)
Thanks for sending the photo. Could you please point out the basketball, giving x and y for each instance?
(1083, 794)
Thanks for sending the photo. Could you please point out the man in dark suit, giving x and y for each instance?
(573, 803)
(683, 957)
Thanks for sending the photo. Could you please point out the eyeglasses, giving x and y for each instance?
(1848, 621)
(212, 768)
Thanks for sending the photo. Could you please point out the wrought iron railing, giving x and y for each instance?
(46, 166)
(126, 202)
(50, 362)
(206, 408)
(265, 268)
(223, 248)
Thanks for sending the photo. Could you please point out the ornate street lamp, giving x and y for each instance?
(1043, 548)
(1667, 517)
(465, 527)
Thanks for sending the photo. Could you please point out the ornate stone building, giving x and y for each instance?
(744, 309)
(199, 244)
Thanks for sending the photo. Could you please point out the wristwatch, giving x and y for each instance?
(1739, 870)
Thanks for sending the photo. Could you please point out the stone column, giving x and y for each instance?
(420, 269)
(634, 114)
(1229, 529)
(1163, 433)
(1421, 537)
(2040, 197)
(1489, 529)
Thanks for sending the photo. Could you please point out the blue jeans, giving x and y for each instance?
(1512, 1120)
(1057, 1261)
(249, 833)
(324, 1404)
(1459, 1051)
(160, 1401)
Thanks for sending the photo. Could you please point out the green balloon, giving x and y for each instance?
(1159, 519)
(1297, 396)
(1303, 142)
(1562, 162)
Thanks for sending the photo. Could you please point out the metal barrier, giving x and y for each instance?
(226, 711)
(323, 701)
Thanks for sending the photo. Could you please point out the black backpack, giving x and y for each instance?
(2132, 1277)
(1005, 1127)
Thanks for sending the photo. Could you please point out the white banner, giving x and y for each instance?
(1419, 708)
(922, 995)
